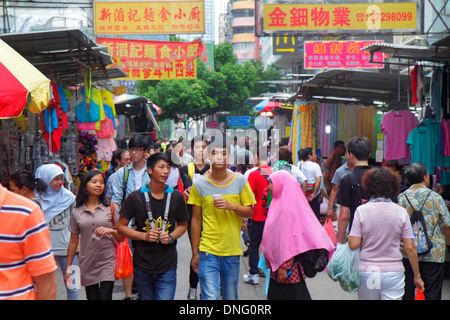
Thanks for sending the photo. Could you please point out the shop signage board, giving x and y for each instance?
(149, 17)
(340, 54)
(340, 16)
(238, 121)
(285, 44)
(208, 55)
(154, 60)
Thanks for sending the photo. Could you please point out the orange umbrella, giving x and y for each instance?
(21, 84)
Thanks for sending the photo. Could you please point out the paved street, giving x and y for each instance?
(321, 287)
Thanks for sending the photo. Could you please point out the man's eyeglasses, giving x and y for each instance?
(136, 149)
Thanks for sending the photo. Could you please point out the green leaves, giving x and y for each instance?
(223, 89)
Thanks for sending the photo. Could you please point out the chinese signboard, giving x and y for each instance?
(154, 60)
(356, 16)
(208, 56)
(157, 17)
(340, 54)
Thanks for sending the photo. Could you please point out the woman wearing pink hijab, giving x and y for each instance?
(291, 228)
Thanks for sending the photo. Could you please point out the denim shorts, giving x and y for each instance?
(218, 274)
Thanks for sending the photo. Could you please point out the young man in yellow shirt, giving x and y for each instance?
(220, 200)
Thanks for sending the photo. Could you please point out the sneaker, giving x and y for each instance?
(192, 294)
(251, 278)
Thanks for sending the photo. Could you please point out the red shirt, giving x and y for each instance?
(258, 183)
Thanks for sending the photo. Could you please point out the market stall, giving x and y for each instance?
(75, 127)
(405, 113)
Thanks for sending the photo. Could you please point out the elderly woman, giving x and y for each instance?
(437, 221)
(378, 228)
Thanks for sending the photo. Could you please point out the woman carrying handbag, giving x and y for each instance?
(91, 223)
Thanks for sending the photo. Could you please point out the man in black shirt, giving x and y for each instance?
(161, 217)
(359, 150)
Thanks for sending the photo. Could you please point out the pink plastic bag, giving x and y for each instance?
(328, 226)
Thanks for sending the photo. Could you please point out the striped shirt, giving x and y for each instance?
(25, 246)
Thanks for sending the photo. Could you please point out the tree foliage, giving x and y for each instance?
(224, 89)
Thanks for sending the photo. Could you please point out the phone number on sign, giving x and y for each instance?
(387, 16)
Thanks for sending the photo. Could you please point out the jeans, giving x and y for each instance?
(217, 273)
(156, 286)
(72, 294)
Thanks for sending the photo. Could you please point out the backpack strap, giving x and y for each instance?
(264, 174)
(191, 170)
(126, 173)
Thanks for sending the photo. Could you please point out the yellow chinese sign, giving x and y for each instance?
(355, 16)
(156, 17)
(154, 60)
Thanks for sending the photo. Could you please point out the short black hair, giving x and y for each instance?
(306, 153)
(360, 147)
(415, 173)
(338, 143)
(117, 156)
(284, 154)
(139, 141)
(154, 158)
(26, 179)
(196, 139)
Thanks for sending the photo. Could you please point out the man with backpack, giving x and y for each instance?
(351, 193)
(189, 173)
(128, 179)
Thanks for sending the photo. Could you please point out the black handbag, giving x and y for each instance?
(313, 261)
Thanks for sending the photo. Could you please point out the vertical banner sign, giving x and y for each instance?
(144, 17)
(208, 56)
(340, 16)
(154, 60)
(340, 54)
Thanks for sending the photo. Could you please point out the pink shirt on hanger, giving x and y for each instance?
(397, 125)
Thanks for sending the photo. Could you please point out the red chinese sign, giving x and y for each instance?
(157, 17)
(340, 54)
(154, 60)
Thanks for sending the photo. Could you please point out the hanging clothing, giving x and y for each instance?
(324, 119)
(366, 123)
(397, 125)
(423, 142)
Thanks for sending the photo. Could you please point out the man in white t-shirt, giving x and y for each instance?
(313, 174)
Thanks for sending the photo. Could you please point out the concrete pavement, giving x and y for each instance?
(320, 287)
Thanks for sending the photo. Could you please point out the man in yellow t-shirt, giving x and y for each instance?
(219, 202)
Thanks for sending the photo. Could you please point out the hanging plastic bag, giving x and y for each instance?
(124, 262)
(344, 267)
(419, 295)
(263, 267)
(329, 228)
(349, 279)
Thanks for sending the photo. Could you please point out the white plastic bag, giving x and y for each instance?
(344, 267)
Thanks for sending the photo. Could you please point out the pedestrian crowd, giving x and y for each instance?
(218, 192)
